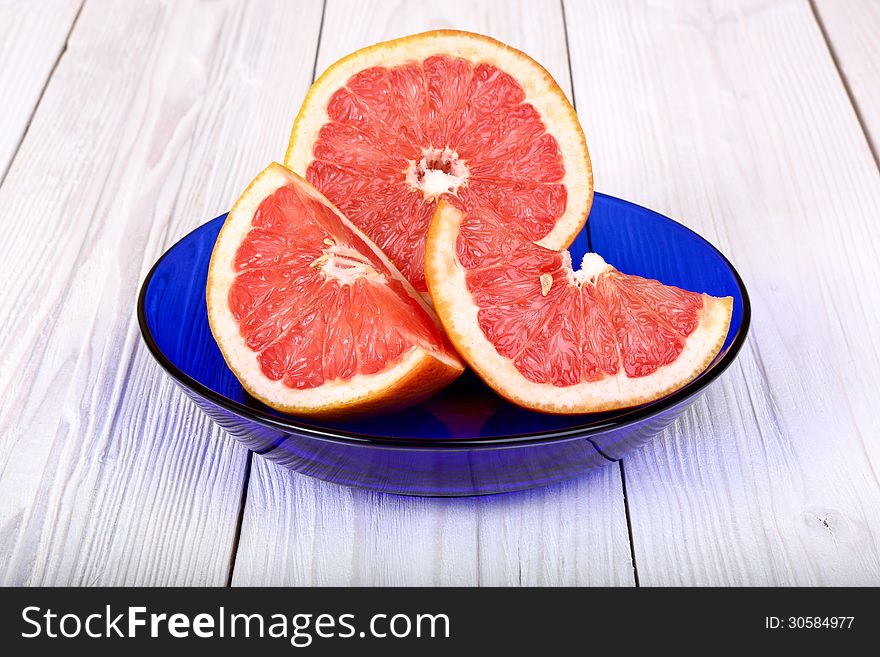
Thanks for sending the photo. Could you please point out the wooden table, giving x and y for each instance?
(126, 124)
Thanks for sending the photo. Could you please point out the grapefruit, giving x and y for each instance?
(388, 131)
(556, 340)
(309, 314)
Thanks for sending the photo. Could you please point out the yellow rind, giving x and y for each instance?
(458, 314)
(417, 375)
(541, 90)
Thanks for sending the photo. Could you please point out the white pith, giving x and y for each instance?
(427, 175)
(346, 265)
(541, 91)
(592, 266)
(458, 312)
(243, 361)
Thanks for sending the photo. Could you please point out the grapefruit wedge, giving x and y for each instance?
(388, 131)
(556, 340)
(309, 314)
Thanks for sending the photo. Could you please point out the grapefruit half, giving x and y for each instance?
(388, 131)
(556, 340)
(309, 314)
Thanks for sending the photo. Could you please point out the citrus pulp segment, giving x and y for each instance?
(557, 340)
(309, 314)
(388, 131)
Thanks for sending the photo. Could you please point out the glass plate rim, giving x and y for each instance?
(293, 425)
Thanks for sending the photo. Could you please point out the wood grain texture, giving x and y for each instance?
(32, 36)
(731, 117)
(108, 474)
(852, 28)
(299, 531)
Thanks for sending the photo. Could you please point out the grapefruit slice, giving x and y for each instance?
(388, 131)
(309, 314)
(561, 341)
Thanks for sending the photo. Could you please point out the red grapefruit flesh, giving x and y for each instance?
(310, 315)
(557, 340)
(390, 130)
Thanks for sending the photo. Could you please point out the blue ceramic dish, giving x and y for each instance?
(466, 440)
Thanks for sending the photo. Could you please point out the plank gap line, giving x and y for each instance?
(849, 93)
(632, 547)
(629, 529)
(40, 97)
(568, 59)
(318, 42)
(236, 540)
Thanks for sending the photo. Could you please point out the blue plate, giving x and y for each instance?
(466, 440)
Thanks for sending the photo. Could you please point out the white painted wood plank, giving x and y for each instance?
(33, 34)
(853, 31)
(300, 531)
(156, 117)
(732, 118)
